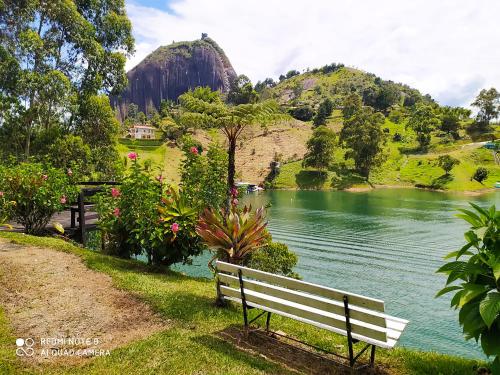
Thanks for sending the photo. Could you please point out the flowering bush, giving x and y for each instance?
(274, 257)
(35, 192)
(203, 177)
(144, 216)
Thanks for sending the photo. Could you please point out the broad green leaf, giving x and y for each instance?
(490, 308)
(58, 227)
(471, 291)
(490, 342)
(496, 271)
(447, 290)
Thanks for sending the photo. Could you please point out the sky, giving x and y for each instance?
(446, 48)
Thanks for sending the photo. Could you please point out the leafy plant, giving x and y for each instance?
(35, 193)
(474, 276)
(234, 234)
(144, 216)
(274, 257)
(480, 174)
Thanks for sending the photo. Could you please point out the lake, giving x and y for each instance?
(386, 243)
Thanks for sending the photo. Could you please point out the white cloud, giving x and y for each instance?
(448, 48)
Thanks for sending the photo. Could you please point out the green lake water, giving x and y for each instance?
(385, 244)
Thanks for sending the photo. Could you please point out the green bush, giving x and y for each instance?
(480, 174)
(38, 191)
(275, 258)
(476, 280)
(145, 216)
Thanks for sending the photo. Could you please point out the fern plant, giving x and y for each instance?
(474, 276)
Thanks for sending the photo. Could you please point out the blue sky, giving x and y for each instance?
(447, 48)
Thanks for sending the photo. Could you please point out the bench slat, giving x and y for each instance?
(333, 320)
(320, 303)
(287, 282)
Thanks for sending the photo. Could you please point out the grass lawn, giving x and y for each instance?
(193, 345)
(163, 157)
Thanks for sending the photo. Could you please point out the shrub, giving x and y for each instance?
(144, 216)
(203, 178)
(477, 293)
(38, 192)
(302, 113)
(275, 257)
(480, 174)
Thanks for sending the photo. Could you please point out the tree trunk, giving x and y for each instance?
(231, 169)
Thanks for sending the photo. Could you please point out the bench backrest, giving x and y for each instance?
(305, 301)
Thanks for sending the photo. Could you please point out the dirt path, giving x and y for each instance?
(47, 294)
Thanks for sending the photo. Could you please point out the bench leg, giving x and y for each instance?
(243, 301)
(268, 320)
(372, 357)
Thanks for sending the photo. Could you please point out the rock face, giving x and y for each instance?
(171, 71)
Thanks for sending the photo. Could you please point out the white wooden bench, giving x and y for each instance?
(357, 317)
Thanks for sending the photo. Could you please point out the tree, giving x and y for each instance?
(352, 104)
(320, 148)
(422, 120)
(241, 91)
(488, 103)
(388, 95)
(450, 120)
(325, 109)
(480, 174)
(362, 134)
(204, 108)
(63, 52)
(260, 86)
(292, 73)
(447, 162)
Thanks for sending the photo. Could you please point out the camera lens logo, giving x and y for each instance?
(25, 347)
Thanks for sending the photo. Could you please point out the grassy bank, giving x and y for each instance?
(194, 344)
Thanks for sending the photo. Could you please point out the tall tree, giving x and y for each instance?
(320, 148)
(423, 120)
(204, 108)
(352, 104)
(63, 52)
(362, 133)
(488, 103)
(324, 110)
(241, 91)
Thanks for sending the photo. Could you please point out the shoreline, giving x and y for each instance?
(364, 189)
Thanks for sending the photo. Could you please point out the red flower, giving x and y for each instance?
(160, 178)
(234, 191)
(235, 202)
(132, 155)
(174, 227)
(116, 212)
(1, 193)
(115, 193)
(44, 177)
(63, 199)
(194, 150)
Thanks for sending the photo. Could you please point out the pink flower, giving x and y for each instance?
(174, 227)
(132, 155)
(116, 212)
(194, 150)
(44, 177)
(115, 193)
(234, 192)
(1, 193)
(70, 172)
(63, 199)
(160, 178)
(235, 202)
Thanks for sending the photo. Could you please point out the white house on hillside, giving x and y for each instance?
(142, 132)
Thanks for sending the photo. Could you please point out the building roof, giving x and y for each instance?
(142, 127)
